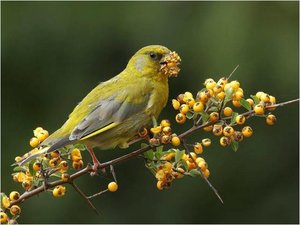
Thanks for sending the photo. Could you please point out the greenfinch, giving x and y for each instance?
(113, 112)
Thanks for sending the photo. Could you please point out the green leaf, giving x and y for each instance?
(194, 173)
(189, 115)
(143, 145)
(178, 155)
(205, 116)
(31, 171)
(228, 95)
(159, 152)
(213, 109)
(183, 163)
(149, 154)
(245, 104)
(255, 99)
(233, 117)
(234, 145)
(19, 169)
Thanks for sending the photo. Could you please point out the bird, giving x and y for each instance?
(112, 113)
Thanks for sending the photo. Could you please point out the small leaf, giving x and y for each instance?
(228, 95)
(31, 171)
(234, 145)
(213, 109)
(149, 154)
(205, 116)
(245, 104)
(159, 152)
(143, 145)
(19, 169)
(189, 115)
(178, 155)
(233, 117)
(194, 173)
(255, 99)
(183, 163)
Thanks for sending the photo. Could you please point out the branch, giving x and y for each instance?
(131, 155)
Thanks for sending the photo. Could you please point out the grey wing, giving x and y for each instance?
(104, 113)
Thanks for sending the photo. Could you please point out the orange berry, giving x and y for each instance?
(240, 119)
(198, 107)
(227, 111)
(112, 186)
(271, 119)
(259, 109)
(198, 149)
(175, 141)
(175, 104)
(214, 116)
(228, 131)
(247, 131)
(180, 118)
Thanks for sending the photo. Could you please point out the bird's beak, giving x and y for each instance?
(169, 64)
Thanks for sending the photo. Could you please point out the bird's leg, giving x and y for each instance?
(96, 162)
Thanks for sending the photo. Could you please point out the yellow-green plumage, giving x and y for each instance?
(113, 111)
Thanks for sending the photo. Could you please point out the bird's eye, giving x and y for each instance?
(155, 56)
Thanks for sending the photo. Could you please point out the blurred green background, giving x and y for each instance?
(54, 53)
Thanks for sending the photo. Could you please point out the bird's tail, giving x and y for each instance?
(31, 156)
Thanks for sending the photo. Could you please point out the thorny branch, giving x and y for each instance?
(131, 155)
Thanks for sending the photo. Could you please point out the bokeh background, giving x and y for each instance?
(54, 53)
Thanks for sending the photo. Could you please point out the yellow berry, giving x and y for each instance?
(190, 102)
(180, 118)
(199, 159)
(165, 123)
(54, 154)
(217, 129)
(259, 94)
(198, 107)
(208, 80)
(206, 173)
(265, 97)
(112, 186)
(75, 151)
(223, 80)
(235, 84)
(188, 94)
(198, 149)
(238, 136)
(15, 210)
(259, 109)
(63, 165)
(77, 164)
(18, 158)
(217, 89)
(167, 130)
(184, 108)
(221, 95)
(180, 98)
(175, 104)
(59, 191)
(179, 173)
(34, 142)
(53, 162)
(26, 184)
(156, 130)
(169, 156)
(165, 139)
(175, 141)
(228, 131)
(14, 195)
(272, 99)
(42, 135)
(210, 84)
(225, 141)
(208, 128)
(203, 97)
(37, 166)
(247, 131)
(159, 185)
(206, 142)
(227, 111)
(194, 156)
(3, 217)
(202, 165)
(214, 116)
(65, 177)
(185, 157)
(238, 95)
(191, 165)
(271, 119)
(236, 103)
(5, 202)
(251, 102)
(240, 119)
(19, 177)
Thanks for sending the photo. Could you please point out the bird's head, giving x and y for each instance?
(155, 61)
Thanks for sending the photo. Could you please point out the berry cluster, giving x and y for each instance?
(6, 206)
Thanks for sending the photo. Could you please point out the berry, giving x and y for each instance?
(210, 84)
(63, 165)
(37, 166)
(251, 102)
(65, 177)
(165, 123)
(167, 130)
(271, 119)
(247, 131)
(175, 141)
(77, 164)
(225, 141)
(259, 109)
(59, 191)
(206, 173)
(190, 102)
(206, 142)
(214, 116)
(112, 186)
(238, 136)
(235, 84)
(15, 210)
(199, 159)
(217, 129)
(159, 185)
(240, 119)
(198, 149)
(218, 88)
(180, 118)
(156, 130)
(3, 217)
(198, 107)
(54, 154)
(208, 128)
(184, 108)
(34, 142)
(236, 103)
(227, 111)
(5, 202)
(221, 95)
(259, 94)
(14, 195)
(238, 95)
(42, 135)
(228, 131)
(202, 165)
(175, 104)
